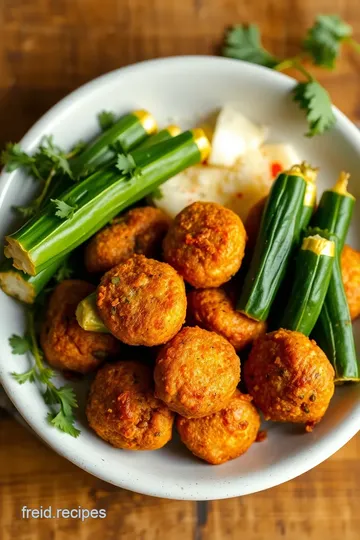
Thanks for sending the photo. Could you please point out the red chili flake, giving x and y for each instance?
(261, 436)
(276, 168)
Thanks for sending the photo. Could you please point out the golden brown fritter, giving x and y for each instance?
(290, 378)
(123, 411)
(214, 309)
(224, 435)
(205, 244)
(142, 301)
(141, 230)
(196, 373)
(65, 344)
(350, 266)
(253, 222)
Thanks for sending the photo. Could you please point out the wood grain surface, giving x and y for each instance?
(48, 48)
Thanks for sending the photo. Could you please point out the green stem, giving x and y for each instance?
(294, 63)
(354, 44)
(34, 344)
(38, 201)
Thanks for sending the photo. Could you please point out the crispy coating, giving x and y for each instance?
(214, 309)
(290, 378)
(224, 435)
(253, 221)
(205, 244)
(141, 230)
(123, 411)
(65, 344)
(142, 301)
(350, 266)
(196, 373)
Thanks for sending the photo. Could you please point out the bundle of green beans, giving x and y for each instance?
(98, 198)
(129, 131)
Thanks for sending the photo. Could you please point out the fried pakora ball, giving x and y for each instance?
(141, 230)
(350, 266)
(205, 244)
(290, 378)
(253, 221)
(123, 411)
(224, 435)
(65, 344)
(196, 373)
(214, 309)
(142, 301)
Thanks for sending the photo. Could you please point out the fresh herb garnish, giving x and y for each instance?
(62, 400)
(65, 271)
(321, 46)
(106, 119)
(49, 162)
(126, 164)
(244, 43)
(63, 209)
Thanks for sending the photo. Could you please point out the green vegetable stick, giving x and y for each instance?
(98, 198)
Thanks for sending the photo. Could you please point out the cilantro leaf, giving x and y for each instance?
(55, 154)
(64, 210)
(46, 375)
(314, 99)
(125, 163)
(243, 43)
(323, 39)
(28, 376)
(64, 271)
(67, 399)
(63, 423)
(106, 119)
(14, 157)
(19, 345)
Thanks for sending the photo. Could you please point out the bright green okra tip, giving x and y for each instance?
(99, 198)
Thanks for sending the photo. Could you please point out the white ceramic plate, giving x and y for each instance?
(185, 89)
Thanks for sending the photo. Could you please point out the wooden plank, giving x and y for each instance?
(32, 474)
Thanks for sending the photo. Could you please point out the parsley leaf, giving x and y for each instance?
(243, 43)
(14, 157)
(64, 271)
(61, 400)
(56, 155)
(323, 39)
(106, 119)
(64, 210)
(63, 423)
(315, 100)
(19, 345)
(28, 376)
(125, 163)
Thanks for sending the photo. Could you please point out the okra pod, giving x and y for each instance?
(311, 280)
(22, 286)
(98, 198)
(333, 330)
(279, 232)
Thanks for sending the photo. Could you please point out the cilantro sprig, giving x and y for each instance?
(48, 164)
(106, 119)
(60, 400)
(126, 164)
(321, 46)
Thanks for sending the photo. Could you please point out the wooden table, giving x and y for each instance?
(48, 48)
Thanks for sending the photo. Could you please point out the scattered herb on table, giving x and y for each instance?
(321, 45)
